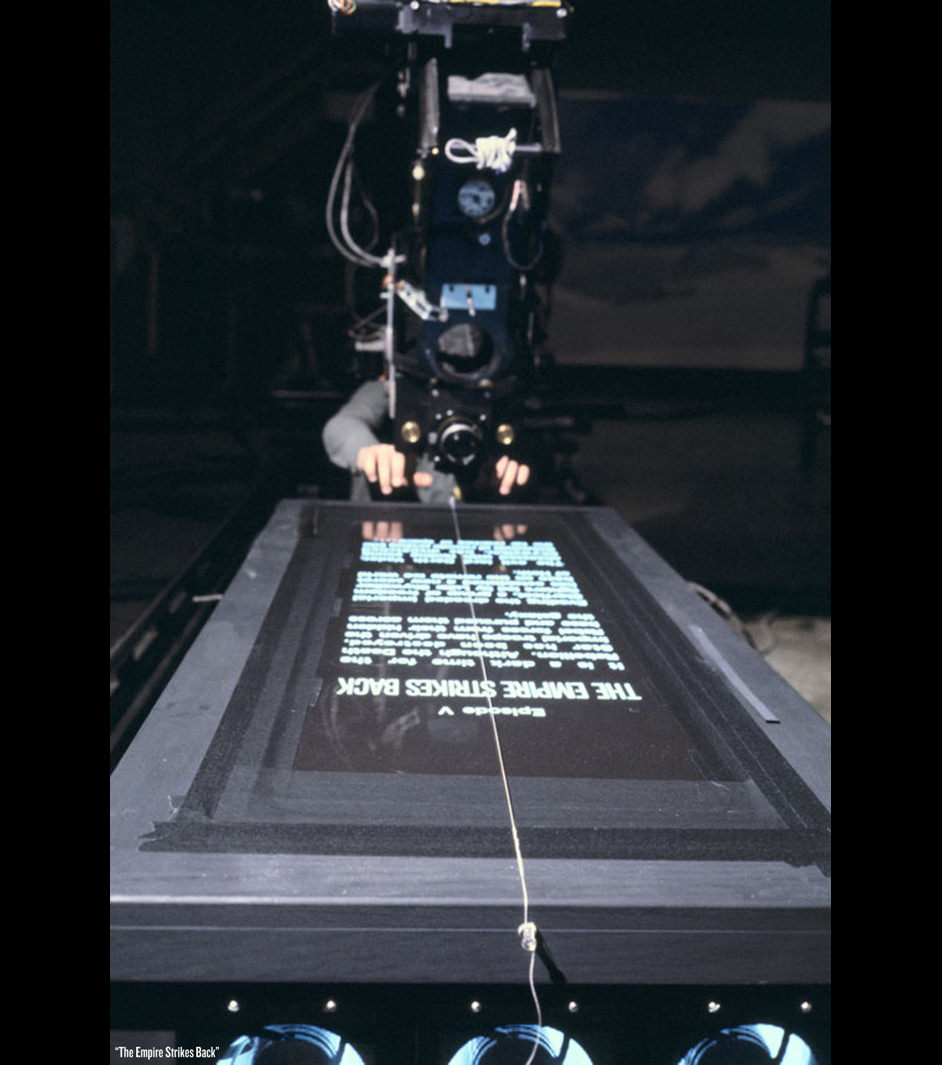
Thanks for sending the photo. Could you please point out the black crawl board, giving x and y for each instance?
(362, 722)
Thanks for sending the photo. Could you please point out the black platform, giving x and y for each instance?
(274, 823)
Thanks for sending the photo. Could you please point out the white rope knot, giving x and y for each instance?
(487, 153)
(527, 933)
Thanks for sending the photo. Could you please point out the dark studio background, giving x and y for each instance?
(692, 207)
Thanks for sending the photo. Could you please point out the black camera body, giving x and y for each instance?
(477, 88)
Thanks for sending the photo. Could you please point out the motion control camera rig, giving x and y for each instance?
(464, 317)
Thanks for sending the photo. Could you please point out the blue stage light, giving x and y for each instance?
(751, 1044)
(291, 1044)
(504, 1045)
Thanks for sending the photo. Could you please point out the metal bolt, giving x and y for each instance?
(713, 1007)
(233, 1006)
(411, 432)
(476, 1006)
(505, 435)
(573, 1007)
(330, 1006)
(805, 1007)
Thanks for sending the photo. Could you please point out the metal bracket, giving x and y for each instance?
(462, 296)
(417, 302)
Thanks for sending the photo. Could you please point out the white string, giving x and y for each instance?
(488, 153)
(527, 930)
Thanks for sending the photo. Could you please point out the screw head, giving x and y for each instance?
(411, 432)
(505, 435)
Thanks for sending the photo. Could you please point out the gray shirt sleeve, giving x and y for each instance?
(356, 424)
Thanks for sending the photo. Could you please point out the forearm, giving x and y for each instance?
(354, 426)
(343, 437)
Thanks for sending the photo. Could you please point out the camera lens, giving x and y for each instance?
(460, 442)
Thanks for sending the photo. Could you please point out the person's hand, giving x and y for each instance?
(388, 531)
(383, 465)
(510, 474)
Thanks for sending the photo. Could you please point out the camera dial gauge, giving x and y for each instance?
(476, 198)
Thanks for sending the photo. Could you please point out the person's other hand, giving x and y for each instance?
(510, 474)
(383, 465)
(509, 532)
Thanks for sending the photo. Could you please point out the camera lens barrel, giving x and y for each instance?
(460, 441)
